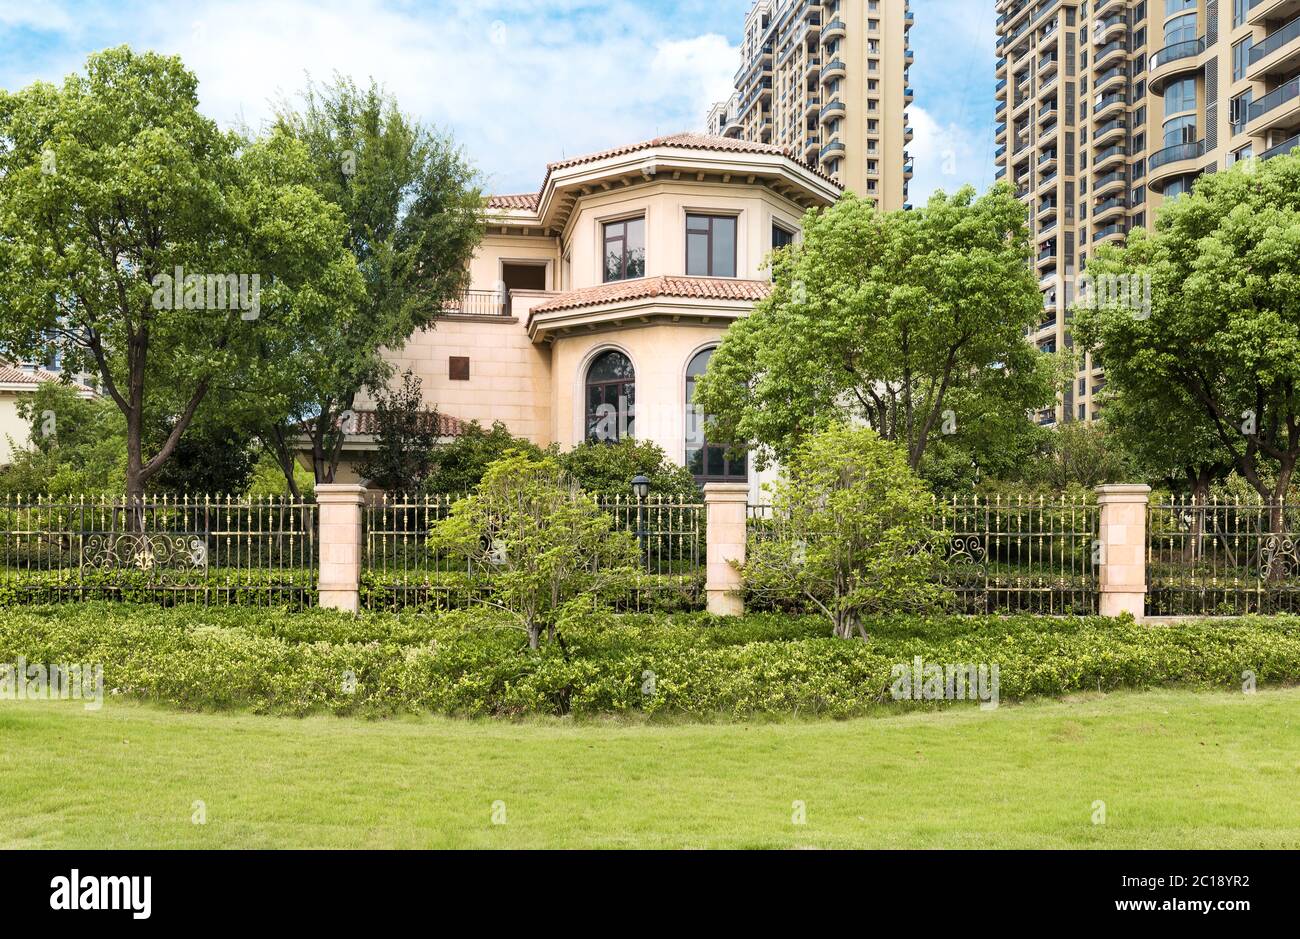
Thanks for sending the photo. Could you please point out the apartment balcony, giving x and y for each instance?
(1173, 62)
(835, 29)
(1109, 131)
(832, 110)
(1279, 110)
(1110, 28)
(1111, 233)
(909, 133)
(1264, 10)
(1117, 179)
(1106, 8)
(1107, 104)
(1047, 161)
(1047, 209)
(1282, 148)
(1114, 78)
(1116, 153)
(909, 95)
(1047, 65)
(1115, 205)
(1115, 51)
(1047, 229)
(833, 70)
(1001, 90)
(1276, 54)
(1181, 159)
(831, 151)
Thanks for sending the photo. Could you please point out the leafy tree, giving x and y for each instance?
(606, 470)
(1223, 330)
(849, 534)
(413, 222)
(544, 542)
(77, 446)
(911, 322)
(113, 184)
(459, 466)
(406, 433)
(1083, 455)
(212, 459)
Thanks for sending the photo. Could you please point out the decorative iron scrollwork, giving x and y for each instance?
(147, 553)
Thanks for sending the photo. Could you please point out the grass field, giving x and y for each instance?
(1175, 769)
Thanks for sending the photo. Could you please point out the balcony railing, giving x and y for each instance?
(1275, 99)
(1179, 151)
(1284, 147)
(1176, 51)
(478, 303)
(1287, 34)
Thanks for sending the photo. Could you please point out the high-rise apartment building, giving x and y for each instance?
(1107, 107)
(828, 82)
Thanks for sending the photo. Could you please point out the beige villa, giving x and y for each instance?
(595, 302)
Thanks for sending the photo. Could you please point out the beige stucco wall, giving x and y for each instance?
(665, 205)
(11, 426)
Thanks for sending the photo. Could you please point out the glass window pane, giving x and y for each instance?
(697, 255)
(724, 247)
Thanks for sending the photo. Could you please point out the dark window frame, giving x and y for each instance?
(625, 258)
(733, 470)
(711, 218)
(624, 387)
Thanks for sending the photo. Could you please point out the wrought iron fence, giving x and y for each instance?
(1222, 558)
(401, 569)
(1006, 555)
(169, 550)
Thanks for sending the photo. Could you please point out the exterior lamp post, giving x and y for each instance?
(641, 489)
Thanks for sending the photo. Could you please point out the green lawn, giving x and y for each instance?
(1176, 769)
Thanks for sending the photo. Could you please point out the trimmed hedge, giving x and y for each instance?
(473, 663)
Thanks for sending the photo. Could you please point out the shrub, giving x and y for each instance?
(460, 465)
(606, 470)
(850, 533)
(544, 541)
(465, 663)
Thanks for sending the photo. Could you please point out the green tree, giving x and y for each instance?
(77, 446)
(543, 542)
(405, 435)
(459, 466)
(413, 220)
(1221, 334)
(849, 532)
(1079, 454)
(912, 322)
(606, 470)
(131, 231)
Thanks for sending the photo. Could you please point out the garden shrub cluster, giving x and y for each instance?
(476, 663)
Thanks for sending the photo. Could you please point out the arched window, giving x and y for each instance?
(707, 459)
(610, 398)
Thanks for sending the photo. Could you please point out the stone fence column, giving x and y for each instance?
(1123, 560)
(727, 508)
(339, 506)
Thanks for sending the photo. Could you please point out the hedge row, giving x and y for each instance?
(469, 663)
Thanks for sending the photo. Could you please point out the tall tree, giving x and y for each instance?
(414, 220)
(912, 322)
(1222, 332)
(151, 248)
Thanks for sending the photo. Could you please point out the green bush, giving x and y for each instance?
(465, 663)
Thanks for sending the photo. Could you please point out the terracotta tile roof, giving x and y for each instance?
(366, 423)
(694, 288)
(687, 141)
(526, 200)
(11, 375)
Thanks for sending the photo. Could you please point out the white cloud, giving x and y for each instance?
(519, 82)
(947, 156)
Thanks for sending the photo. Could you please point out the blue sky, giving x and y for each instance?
(519, 82)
